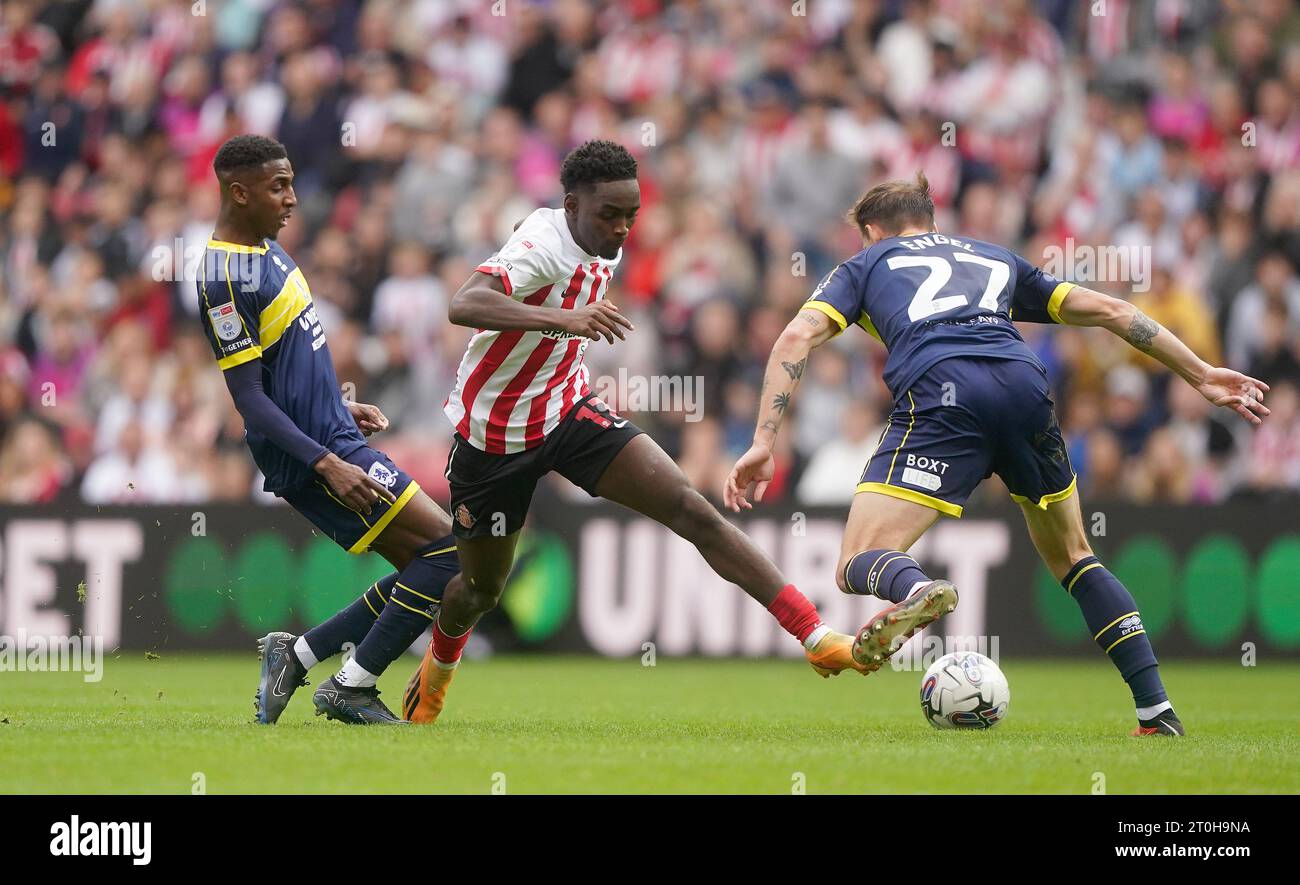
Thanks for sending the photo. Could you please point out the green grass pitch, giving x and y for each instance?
(580, 725)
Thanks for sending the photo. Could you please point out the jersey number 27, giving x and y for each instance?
(925, 304)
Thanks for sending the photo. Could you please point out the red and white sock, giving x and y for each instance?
(447, 649)
(798, 616)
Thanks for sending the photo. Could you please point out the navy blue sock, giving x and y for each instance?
(1115, 624)
(414, 603)
(889, 574)
(352, 623)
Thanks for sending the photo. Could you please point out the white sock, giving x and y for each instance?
(354, 675)
(305, 655)
(443, 665)
(816, 636)
(1149, 713)
(917, 586)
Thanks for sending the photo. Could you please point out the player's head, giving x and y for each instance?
(256, 184)
(892, 207)
(601, 195)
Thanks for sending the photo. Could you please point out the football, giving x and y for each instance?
(964, 689)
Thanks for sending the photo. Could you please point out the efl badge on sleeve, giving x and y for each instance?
(225, 321)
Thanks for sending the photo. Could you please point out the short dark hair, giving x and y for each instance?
(893, 205)
(244, 151)
(596, 161)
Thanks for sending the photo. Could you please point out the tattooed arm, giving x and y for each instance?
(1223, 387)
(785, 368)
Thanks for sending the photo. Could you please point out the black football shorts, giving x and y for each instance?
(490, 494)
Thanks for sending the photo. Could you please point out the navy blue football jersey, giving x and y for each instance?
(930, 297)
(255, 304)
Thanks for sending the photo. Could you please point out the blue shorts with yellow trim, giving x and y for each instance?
(350, 529)
(965, 419)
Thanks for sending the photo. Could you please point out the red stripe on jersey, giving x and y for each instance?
(537, 411)
(491, 361)
(575, 287)
(499, 417)
(598, 276)
(539, 296)
(577, 390)
(496, 272)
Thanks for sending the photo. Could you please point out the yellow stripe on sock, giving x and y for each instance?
(416, 610)
(885, 566)
(1112, 624)
(438, 552)
(1122, 638)
(1069, 588)
(416, 592)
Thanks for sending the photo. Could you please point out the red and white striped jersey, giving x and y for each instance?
(513, 387)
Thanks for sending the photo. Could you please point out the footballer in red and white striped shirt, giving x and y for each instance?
(522, 408)
(514, 386)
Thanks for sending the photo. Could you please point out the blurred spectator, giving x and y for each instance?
(256, 103)
(25, 45)
(1276, 286)
(1164, 475)
(13, 389)
(1273, 457)
(1128, 413)
(64, 350)
(33, 469)
(703, 456)
(1135, 158)
(134, 471)
(135, 402)
(1205, 443)
(831, 476)
(803, 197)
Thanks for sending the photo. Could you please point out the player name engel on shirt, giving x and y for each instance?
(513, 387)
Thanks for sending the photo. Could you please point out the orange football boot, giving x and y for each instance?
(427, 690)
(833, 654)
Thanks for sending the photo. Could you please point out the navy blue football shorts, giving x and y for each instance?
(965, 419)
(350, 529)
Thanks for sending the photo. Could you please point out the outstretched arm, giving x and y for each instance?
(785, 368)
(1223, 387)
(482, 303)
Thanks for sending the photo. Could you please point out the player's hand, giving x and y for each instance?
(369, 419)
(352, 485)
(596, 321)
(1233, 390)
(755, 466)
